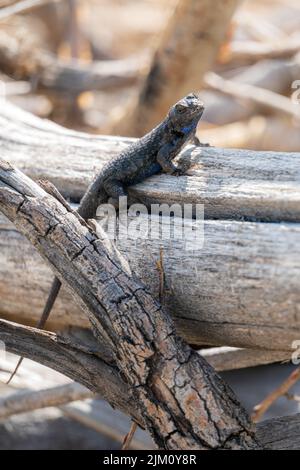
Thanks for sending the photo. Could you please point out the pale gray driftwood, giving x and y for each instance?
(24, 401)
(241, 289)
(228, 358)
(233, 184)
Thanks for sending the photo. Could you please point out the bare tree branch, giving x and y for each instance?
(22, 6)
(24, 401)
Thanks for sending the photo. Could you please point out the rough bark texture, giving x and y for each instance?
(280, 433)
(83, 365)
(183, 402)
(188, 48)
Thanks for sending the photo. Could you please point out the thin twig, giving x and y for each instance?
(128, 438)
(160, 267)
(261, 409)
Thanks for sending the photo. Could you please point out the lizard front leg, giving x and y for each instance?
(164, 158)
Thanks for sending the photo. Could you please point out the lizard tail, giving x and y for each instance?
(94, 196)
(55, 288)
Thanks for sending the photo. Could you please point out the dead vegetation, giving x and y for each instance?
(115, 68)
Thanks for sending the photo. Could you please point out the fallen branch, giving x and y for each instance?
(22, 6)
(262, 259)
(266, 99)
(273, 75)
(24, 59)
(175, 390)
(227, 358)
(252, 51)
(280, 433)
(24, 401)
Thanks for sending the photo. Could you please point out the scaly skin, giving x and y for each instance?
(146, 157)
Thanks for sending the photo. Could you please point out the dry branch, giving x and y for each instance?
(184, 404)
(227, 358)
(266, 99)
(24, 59)
(273, 75)
(22, 6)
(252, 51)
(24, 401)
(280, 433)
(188, 48)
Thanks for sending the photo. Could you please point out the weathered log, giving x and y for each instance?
(183, 402)
(241, 289)
(233, 184)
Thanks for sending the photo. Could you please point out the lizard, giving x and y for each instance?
(146, 157)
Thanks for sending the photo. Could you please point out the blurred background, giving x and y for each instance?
(114, 67)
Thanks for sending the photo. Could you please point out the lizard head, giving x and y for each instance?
(186, 113)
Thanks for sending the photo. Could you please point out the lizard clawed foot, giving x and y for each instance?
(178, 172)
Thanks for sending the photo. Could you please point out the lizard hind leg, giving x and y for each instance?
(114, 190)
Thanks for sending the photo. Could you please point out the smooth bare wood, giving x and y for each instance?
(273, 75)
(24, 401)
(187, 49)
(228, 358)
(262, 97)
(183, 402)
(257, 133)
(252, 51)
(241, 289)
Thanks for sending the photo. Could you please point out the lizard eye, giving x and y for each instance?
(180, 109)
